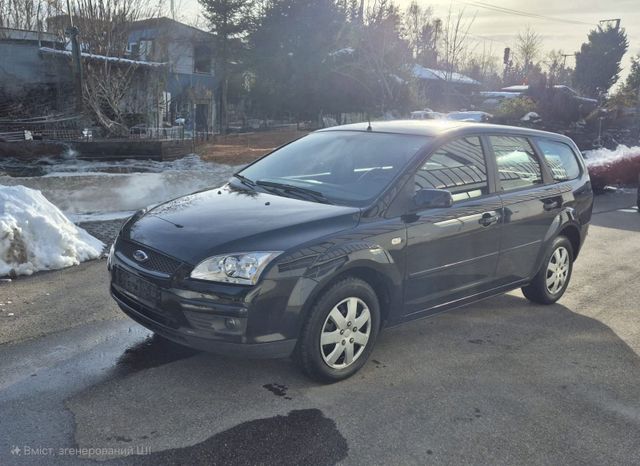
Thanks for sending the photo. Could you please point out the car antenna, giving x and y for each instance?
(369, 128)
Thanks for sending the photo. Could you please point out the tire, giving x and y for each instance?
(538, 291)
(329, 363)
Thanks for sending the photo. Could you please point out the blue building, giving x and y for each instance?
(30, 85)
(189, 82)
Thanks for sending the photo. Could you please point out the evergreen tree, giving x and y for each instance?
(290, 51)
(598, 61)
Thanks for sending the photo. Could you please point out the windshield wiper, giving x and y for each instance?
(244, 180)
(289, 188)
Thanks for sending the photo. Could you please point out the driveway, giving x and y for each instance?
(499, 382)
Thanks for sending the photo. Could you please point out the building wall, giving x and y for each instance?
(190, 95)
(30, 83)
(181, 57)
(22, 67)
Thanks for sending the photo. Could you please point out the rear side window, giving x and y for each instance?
(560, 158)
(458, 167)
(518, 166)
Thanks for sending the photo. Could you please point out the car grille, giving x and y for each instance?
(156, 263)
(168, 319)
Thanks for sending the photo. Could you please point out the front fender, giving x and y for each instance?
(366, 260)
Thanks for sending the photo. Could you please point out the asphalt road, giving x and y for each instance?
(500, 382)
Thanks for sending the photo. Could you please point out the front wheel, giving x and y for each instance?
(340, 332)
(552, 280)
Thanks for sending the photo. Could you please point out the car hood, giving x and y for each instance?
(224, 220)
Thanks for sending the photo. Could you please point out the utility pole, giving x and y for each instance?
(73, 32)
(437, 24)
(614, 20)
(565, 55)
(506, 60)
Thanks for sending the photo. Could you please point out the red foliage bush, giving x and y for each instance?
(613, 168)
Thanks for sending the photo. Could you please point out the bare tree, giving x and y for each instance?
(455, 39)
(420, 32)
(383, 52)
(557, 71)
(528, 47)
(109, 85)
(481, 64)
(27, 14)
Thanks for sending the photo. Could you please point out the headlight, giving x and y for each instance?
(243, 268)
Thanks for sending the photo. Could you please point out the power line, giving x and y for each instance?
(489, 39)
(510, 11)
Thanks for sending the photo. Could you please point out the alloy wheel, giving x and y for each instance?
(345, 333)
(557, 270)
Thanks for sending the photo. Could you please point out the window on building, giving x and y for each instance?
(202, 59)
(560, 158)
(518, 166)
(145, 49)
(133, 50)
(458, 167)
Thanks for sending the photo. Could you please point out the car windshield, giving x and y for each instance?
(340, 167)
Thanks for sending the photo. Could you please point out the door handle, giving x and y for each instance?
(488, 218)
(550, 204)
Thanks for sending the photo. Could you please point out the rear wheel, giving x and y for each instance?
(552, 280)
(340, 332)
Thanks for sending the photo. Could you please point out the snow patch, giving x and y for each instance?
(35, 235)
(530, 116)
(604, 157)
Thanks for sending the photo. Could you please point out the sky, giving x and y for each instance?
(565, 26)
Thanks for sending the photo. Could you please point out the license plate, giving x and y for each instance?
(138, 287)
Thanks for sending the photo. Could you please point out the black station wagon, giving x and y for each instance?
(314, 248)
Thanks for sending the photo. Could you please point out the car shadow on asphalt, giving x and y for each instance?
(503, 358)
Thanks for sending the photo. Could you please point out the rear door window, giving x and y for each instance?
(459, 167)
(518, 166)
(560, 158)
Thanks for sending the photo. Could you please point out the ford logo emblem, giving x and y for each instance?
(140, 256)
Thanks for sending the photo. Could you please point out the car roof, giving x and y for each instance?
(435, 128)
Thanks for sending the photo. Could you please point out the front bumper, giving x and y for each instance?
(273, 349)
(199, 315)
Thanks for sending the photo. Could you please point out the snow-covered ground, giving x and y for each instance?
(40, 202)
(35, 235)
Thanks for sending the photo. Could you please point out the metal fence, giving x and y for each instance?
(13, 136)
(45, 135)
(157, 133)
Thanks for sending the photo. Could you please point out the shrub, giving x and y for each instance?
(514, 109)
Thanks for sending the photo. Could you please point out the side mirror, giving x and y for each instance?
(431, 199)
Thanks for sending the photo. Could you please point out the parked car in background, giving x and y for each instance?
(491, 100)
(426, 114)
(474, 116)
(567, 103)
(312, 250)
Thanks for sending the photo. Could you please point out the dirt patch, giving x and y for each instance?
(242, 148)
